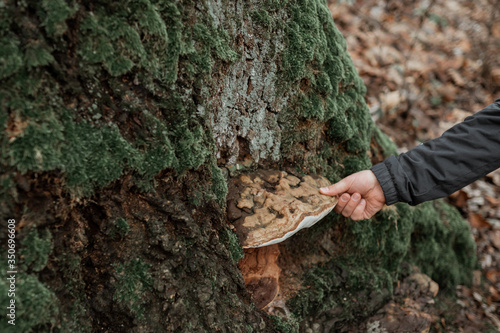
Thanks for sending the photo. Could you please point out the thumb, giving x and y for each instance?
(335, 189)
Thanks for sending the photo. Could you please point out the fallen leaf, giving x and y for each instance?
(495, 74)
(495, 29)
(477, 296)
(495, 294)
(494, 319)
(459, 198)
(492, 201)
(390, 100)
(456, 77)
(478, 221)
(493, 276)
(471, 317)
(476, 278)
(495, 238)
(495, 177)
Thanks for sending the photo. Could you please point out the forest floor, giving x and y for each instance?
(427, 65)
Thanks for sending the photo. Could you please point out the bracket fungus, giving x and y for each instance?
(261, 273)
(265, 208)
(269, 206)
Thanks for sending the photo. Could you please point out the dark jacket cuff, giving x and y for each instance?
(385, 180)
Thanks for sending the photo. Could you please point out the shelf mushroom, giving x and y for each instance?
(267, 207)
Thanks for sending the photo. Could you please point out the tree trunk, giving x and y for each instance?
(125, 121)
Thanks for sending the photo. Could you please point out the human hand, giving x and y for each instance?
(360, 195)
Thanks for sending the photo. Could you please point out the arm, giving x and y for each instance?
(437, 168)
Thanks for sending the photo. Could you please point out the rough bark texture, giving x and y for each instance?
(122, 124)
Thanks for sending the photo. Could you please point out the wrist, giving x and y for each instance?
(385, 183)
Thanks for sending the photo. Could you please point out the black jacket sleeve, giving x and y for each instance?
(439, 167)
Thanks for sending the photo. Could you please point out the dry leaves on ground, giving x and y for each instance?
(428, 65)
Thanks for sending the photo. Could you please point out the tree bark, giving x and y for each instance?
(124, 122)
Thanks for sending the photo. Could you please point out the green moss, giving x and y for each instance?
(261, 17)
(310, 106)
(351, 286)
(357, 145)
(149, 17)
(110, 40)
(34, 150)
(74, 317)
(93, 157)
(111, 35)
(166, 66)
(122, 227)
(159, 152)
(36, 306)
(53, 14)
(219, 185)
(10, 57)
(322, 84)
(442, 245)
(353, 164)
(119, 228)
(191, 150)
(290, 325)
(385, 238)
(315, 62)
(339, 128)
(8, 191)
(303, 39)
(133, 280)
(387, 146)
(311, 38)
(232, 243)
(38, 55)
(362, 280)
(216, 40)
(274, 5)
(35, 249)
(92, 152)
(346, 102)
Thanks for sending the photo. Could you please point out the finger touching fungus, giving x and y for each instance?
(267, 207)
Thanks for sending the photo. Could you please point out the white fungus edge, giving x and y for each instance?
(307, 222)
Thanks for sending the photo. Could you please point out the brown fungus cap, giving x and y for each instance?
(267, 207)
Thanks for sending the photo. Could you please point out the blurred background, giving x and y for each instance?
(427, 65)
